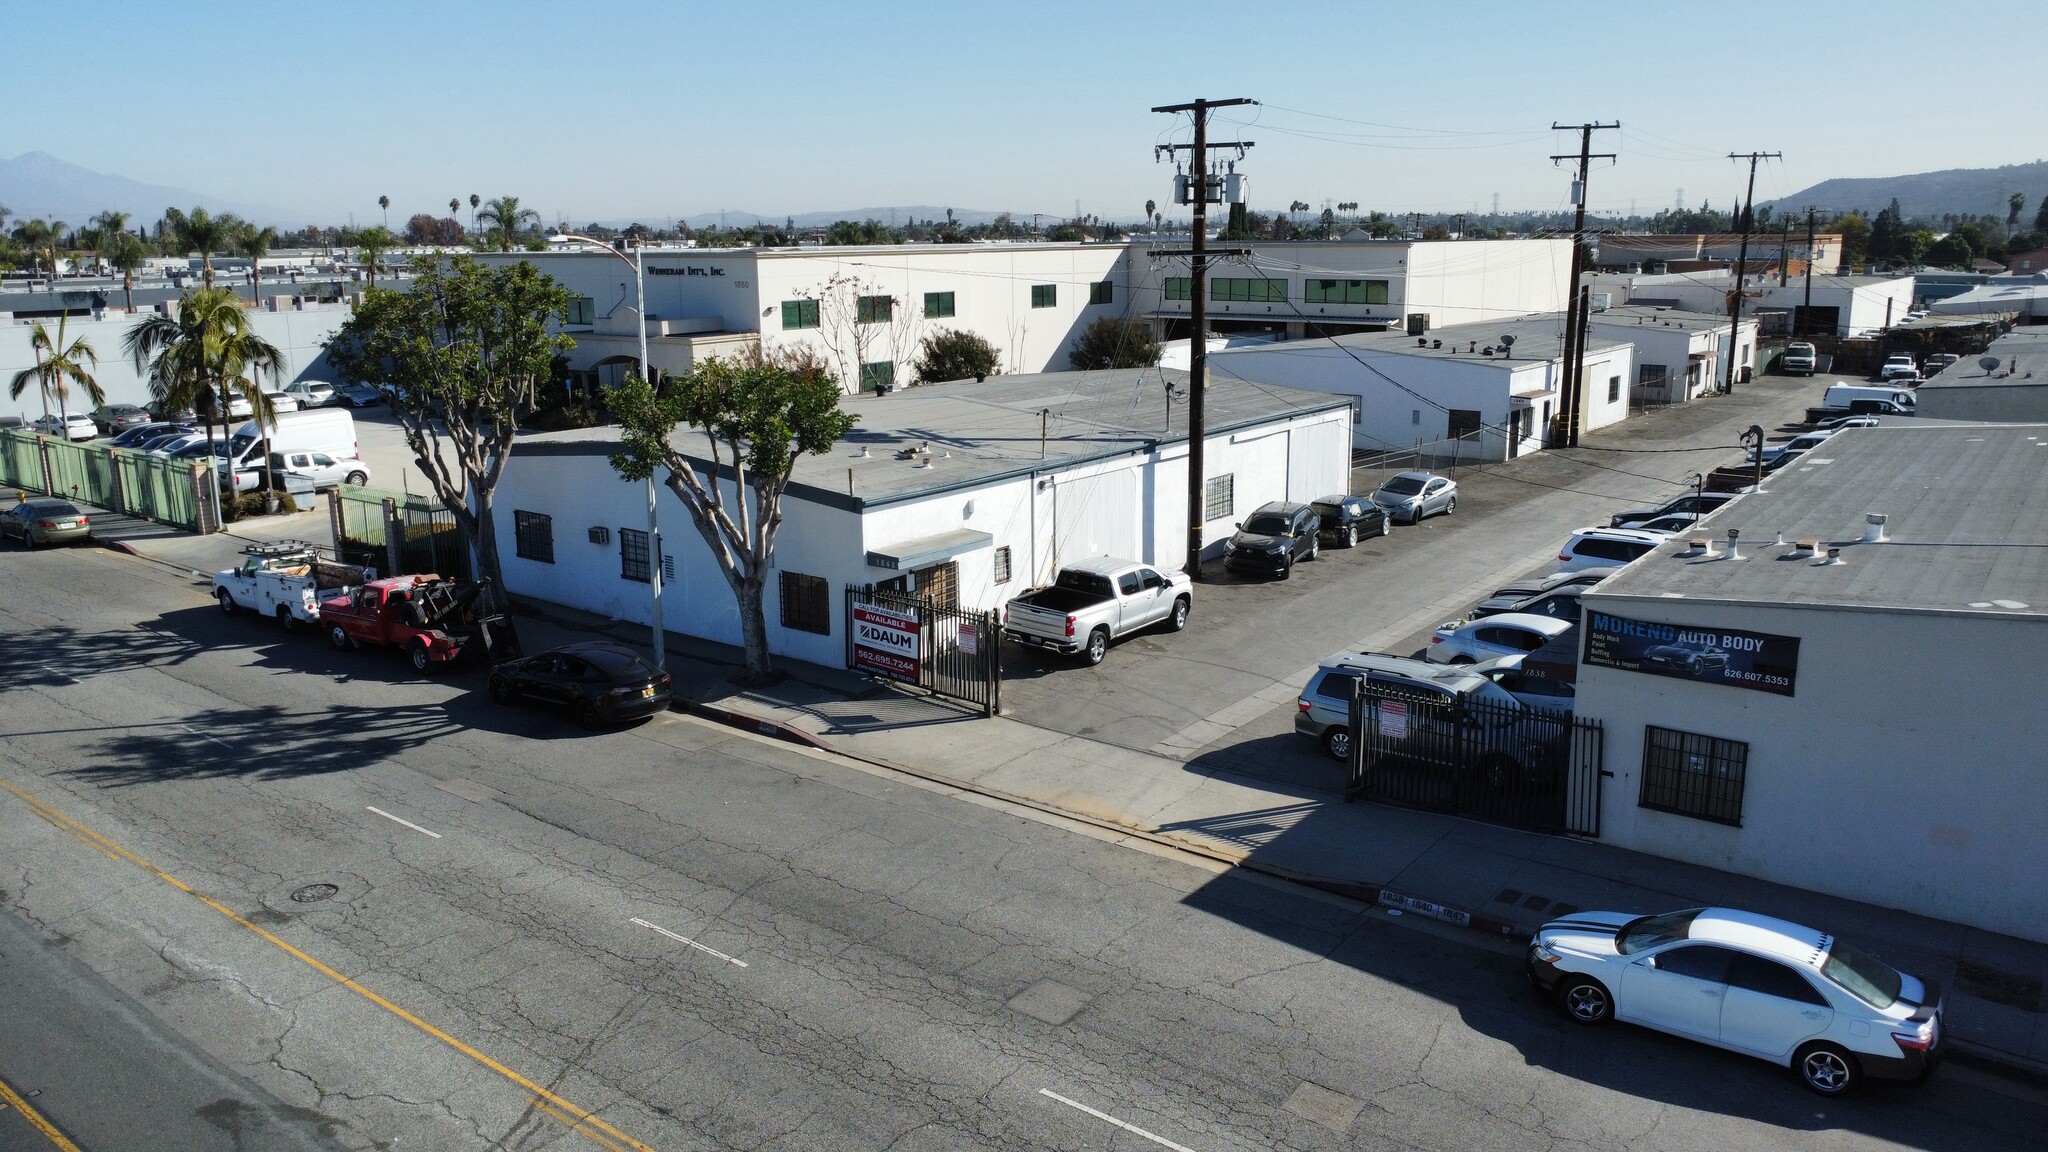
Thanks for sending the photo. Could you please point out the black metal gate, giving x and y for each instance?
(957, 655)
(1506, 763)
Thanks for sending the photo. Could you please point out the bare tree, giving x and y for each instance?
(850, 325)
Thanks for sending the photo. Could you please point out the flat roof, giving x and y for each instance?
(1967, 509)
(2024, 352)
(1537, 338)
(991, 430)
(1660, 316)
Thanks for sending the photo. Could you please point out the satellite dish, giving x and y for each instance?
(1507, 345)
(1987, 363)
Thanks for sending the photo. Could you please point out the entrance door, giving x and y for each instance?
(939, 584)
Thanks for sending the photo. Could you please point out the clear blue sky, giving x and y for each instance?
(651, 110)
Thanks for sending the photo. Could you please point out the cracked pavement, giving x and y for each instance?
(884, 925)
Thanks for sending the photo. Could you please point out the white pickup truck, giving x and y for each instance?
(284, 580)
(1095, 601)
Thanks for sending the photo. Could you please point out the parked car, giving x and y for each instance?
(357, 396)
(1597, 547)
(41, 520)
(1840, 422)
(1095, 601)
(311, 393)
(1560, 603)
(169, 415)
(1899, 367)
(197, 448)
(282, 401)
(1542, 692)
(1508, 634)
(157, 445)
(1273, 538)
(1348, 519)
(1670, 525)
(1414, 496)
(71, 426)
(1939, 361)
(1505, 598)
(1700, 502)
(599, 683)
(1800, 358)
(1799, 443)
(112, 419)
(1511, 741)
(1796, 996)
(433, 620)
(1839, 396)
(136, 436)
(320, 471)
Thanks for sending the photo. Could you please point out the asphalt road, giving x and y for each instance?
(414, 920)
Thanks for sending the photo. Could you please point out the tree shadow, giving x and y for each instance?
(267, 742)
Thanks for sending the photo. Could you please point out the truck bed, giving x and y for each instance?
(1061, 600)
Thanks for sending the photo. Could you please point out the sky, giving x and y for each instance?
(603, 111)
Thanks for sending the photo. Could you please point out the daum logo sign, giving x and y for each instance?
(1727, 656)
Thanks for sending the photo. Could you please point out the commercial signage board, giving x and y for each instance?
(1755, 660)
(887, 641)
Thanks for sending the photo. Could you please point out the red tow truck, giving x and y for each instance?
(434, 621)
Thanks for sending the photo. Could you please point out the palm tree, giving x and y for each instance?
(203, 233)
(58, 365)
(40, 236)
(255, 243)
(205, 355)
(474, 200)
(507, 220)
(384, 202)
(371, 244)
(1150, 207)
(129, 254)
(108, 228)
(454, 206)
(2014, 205)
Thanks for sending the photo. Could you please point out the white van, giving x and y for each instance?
(1839, 395)
(326, 430)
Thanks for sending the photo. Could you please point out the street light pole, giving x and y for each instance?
(654, 623)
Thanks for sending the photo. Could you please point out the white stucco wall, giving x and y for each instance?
(1922, 792)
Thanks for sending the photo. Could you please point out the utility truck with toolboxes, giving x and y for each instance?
(284, 579)
(1095, 601)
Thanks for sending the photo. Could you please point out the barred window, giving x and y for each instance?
(533, 536)
(1219, 497)
(633, 556)
(806, 603)
(1003, 564)
(1694, 775)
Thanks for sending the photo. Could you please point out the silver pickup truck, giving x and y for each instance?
(1095, 601)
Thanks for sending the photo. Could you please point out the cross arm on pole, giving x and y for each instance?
(1199, 105)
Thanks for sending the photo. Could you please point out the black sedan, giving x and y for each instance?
(1349, 519)
(599, 683)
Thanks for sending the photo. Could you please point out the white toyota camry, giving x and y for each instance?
(1769, 988)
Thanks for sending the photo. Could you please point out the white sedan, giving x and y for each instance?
(1792, 995)
(1508, 634)
(75, 426)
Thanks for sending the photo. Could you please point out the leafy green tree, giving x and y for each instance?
(461, 356)
(205, 355)
(950, 354)
(505, 220)
(58, 366)
(39, 239)
(1114, 343)
(752, 415)
(129, 255)
(371, 245)
(107, 228)
(255, 243)
(202, 232)
(1855, 233)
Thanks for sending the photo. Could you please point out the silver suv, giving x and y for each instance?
(1323, 713)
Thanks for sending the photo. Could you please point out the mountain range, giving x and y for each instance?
(1975, 191)
(39, 184)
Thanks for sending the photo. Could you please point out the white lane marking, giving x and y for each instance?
(686, 940)
(402, 820)
(204, 736)
(1133, 1129)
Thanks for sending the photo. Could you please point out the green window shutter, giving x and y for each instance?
(799, 314)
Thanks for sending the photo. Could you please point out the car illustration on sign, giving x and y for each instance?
(1691, 661)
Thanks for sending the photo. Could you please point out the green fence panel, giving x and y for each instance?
(21, 460)
(158, 489)
(82, 472)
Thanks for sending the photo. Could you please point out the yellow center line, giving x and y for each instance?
(9, 1097)
(579, 1119)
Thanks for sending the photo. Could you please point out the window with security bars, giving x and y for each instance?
(799, 314)
(1102, 292)
(806, 603)
(874, 309)
(1694, 775)
(1344, 291)
(1257, 291)
(1180, 287)
(633, 556)
(1219, 497)
(1045, 295)
(1003, 564)
(938, 305)
(533, 536)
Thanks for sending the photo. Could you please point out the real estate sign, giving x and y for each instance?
(887, 641)
(1729, 656)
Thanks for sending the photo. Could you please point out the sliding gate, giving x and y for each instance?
(951, 652)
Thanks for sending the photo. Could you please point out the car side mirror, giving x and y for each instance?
(1239, 525)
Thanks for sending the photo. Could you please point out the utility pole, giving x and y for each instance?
(1199, 182)
(1742, 259)
(1807, 313)
(1784, 250)
(1574, 347)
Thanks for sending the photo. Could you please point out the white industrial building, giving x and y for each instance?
(967, 492)
(1869, 725)
(2025, 298)
(2014, 389)
(1841, 305)
(1679, 355)
(1456, 393)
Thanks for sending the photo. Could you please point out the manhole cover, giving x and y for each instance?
(313, 893)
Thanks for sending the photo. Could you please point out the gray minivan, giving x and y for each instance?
(1323, 712)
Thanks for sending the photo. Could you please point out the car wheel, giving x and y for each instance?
(227, 602)
(501, 690)
(285, 617)
(1315, 548)
(356, 479)
(338, 636)
(1337, 742)
(1462, 659)
(1179, 619)
(1287, 568)
(1098, 647)
(1451, 507)
(1586, 1001)
(586, 715)
(1826, 1069)
(422, 660)
(1351, 536)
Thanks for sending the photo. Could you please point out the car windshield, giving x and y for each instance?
(1865, 976)
(1650, 931)
(55, 509)
(1323, 509)
(1402, 486)
(1269, 524)
(241, 442)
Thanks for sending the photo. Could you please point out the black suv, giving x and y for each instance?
(1273, 538)
(1346, 519)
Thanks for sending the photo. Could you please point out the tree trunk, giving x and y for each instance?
(484, 549)
(128, 290)
(754, 632)
(206, 267)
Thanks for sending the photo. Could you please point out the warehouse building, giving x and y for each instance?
(1848, 699)
(2008, 383)
(969, 493)
(1679, 355)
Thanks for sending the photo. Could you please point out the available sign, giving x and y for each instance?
(1755, 660)
(887, 641)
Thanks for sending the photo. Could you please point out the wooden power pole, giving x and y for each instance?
(1741, 259)
(1575, 319)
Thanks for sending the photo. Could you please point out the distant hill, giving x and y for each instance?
(1977, 191)
(39, 184)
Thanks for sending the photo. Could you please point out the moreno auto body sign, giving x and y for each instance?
(1729, 656)
(887, 641)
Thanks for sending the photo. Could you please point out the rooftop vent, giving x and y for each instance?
(1834, 558)
(1700, 546)
(1734, 550)
(1873, 528)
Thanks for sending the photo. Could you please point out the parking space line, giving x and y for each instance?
(686, 940)
(10, 1098)
(402, 820)
(204, 736)
(1106, 1118)
(558, 1106)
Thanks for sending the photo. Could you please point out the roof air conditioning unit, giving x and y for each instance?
(600, 535)
(1418, 323)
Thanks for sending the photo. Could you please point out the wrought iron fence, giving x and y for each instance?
(957, 653)
(400, 533)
